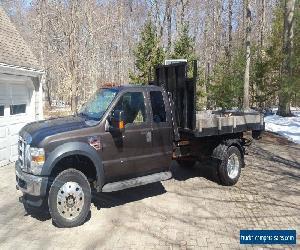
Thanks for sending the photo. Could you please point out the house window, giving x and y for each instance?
(1, 110)
(17, 109)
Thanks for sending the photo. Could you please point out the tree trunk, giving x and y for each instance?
(229, 49)
(248, 57)
(262, 25)
(286, 73)
(256, 88)
(169, 25)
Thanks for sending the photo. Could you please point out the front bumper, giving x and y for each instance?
(30, 184)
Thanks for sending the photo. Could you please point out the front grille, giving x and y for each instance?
(22, 151)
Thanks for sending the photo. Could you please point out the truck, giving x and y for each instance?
(126, 136)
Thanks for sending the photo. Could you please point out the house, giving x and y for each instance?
(21, 80)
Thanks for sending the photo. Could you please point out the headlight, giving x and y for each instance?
(35, 158)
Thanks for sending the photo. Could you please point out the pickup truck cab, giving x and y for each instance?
(120, 136)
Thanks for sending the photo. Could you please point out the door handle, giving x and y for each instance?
(149, 136)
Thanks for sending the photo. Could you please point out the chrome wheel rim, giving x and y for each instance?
(233, 166)
(70, 200)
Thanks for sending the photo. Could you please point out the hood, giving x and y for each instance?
(35, 132)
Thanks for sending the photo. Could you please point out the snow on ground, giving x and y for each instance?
(288, 127)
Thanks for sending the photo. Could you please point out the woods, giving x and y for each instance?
(247, 51)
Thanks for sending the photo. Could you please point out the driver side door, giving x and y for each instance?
(127, 154)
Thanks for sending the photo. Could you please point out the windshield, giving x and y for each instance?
(95, 108)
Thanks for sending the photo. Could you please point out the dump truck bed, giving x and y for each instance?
(211, 123)
(182, 93)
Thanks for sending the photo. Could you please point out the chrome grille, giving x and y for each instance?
(22, 150)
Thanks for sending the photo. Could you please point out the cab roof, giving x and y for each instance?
(134, 86)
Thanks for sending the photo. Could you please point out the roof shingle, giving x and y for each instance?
(13, 48)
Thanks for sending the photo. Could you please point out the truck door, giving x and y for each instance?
(129, 154)
(161, 130)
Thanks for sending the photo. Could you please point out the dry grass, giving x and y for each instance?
(56, 112)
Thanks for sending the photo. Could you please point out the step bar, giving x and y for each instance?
(139, 181)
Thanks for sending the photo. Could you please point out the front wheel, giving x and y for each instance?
(69, 198)
(230, 167)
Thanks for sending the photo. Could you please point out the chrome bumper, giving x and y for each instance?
(30, 184)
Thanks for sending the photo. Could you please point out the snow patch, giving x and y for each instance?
(288, 127)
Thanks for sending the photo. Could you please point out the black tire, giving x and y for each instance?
(224, 172)
(40, 212)
(72, 176)
(186, 163)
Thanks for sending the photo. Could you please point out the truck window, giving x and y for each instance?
(98, 103)
(158, 106)
(133, 105)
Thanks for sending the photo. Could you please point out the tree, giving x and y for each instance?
(248, 57)
(169, 25)
(184, 47)
(286, 73)
(148, 54)
(229, 49)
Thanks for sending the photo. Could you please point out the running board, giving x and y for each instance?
(139, 181)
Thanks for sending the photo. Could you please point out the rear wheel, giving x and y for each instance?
(186, 163)
(230, 168)
(69, 198)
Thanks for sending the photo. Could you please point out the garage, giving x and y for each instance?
(15, 112)
(21, 80)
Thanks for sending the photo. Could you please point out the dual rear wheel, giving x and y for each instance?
(228, 168)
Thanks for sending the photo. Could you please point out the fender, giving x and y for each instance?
(73, 148)
(219, 152)
(221, 149)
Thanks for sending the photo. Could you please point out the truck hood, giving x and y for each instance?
(35, 132)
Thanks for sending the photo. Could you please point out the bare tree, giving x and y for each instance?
(169, 25)
(262, 23)
(248, 56)
(85, 44)
(288, 35)
(229, 47)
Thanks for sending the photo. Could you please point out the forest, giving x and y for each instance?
(248, 51)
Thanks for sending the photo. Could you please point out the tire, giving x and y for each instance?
(229, 169)
(69, 199)
(186, 163)
(40, 212)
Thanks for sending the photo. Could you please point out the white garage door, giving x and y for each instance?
(14, 114)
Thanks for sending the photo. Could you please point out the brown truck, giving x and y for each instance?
(124, 137)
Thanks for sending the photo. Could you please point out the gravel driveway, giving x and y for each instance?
(189, 211)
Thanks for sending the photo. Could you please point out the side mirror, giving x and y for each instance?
(117, 123)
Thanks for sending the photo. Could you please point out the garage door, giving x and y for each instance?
(14, 114)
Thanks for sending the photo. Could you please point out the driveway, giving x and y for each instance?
(189, 211)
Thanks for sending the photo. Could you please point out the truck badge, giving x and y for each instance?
(94, 141)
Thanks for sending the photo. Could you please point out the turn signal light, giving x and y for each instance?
(121, 124)
(38, 158)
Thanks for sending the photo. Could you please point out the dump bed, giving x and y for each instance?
(182, 93)
(210, 123)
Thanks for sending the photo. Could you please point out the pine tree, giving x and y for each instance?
(184, 47)
(148, 54)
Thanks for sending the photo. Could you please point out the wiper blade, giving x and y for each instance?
(82, 114)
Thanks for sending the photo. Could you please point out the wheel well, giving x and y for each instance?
(79, 162)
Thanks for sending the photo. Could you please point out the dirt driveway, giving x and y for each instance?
(190, 211)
